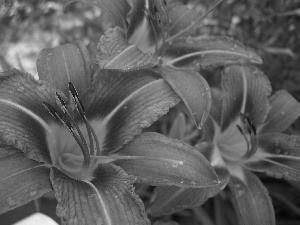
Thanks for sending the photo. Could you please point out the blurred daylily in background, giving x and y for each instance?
(146, 33)
(242, 134)
(78, 126)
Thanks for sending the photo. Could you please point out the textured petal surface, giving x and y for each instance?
(108, 200)
(284, 110)
(62, 64)
(21, 180)
(172, 199)
(279, 156)
(23, 119)
(251, 200)
(166, 162)
(192, 89)
(244, 90)
(208, 52)
(116, 53)
(140, 100)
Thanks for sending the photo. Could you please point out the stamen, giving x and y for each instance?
(85, 150)
(80, 109)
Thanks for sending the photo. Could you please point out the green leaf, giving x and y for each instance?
(117, 10)
(208, 52)
(251, 200)
(284, 111)
(141, 98)
(109, 199)
(62, 64)
(116, 53)
(278, 156)
(21, 180)
(25, 122)
(192, 89)
(245, 89)
(165, 161)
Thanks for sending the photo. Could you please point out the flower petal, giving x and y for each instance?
(108, 200)
(284, 110)
(172, 199)
(208, 52)
(251, 200)
(21, 180)
(245, 90)
(24, 121)
(192, 89)
(117, 10)
(166, 161)
(62, 64)
(279, 156)
(119, 115)
(116, 53)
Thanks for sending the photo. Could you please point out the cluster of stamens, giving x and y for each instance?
(91, 154)
(248, 130)
(65, 118)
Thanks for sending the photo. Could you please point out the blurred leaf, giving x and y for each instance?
(116, 9)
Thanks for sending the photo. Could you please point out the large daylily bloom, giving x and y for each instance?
(74, 127)
(243, 134)
(146, 33)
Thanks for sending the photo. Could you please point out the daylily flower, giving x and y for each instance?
(146, 33)
(74, 127)
(242, 134)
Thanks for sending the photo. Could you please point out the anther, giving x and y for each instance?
(80, 109)
(69, 120)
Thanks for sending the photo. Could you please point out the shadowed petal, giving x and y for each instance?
(62, 64)
(245, 90)
(119, 115)
(279, 156)
(192, 89)
(21, 180)
(24, 122)
(166, 161)
(108, 200)
(284, 110)
(251, 200)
